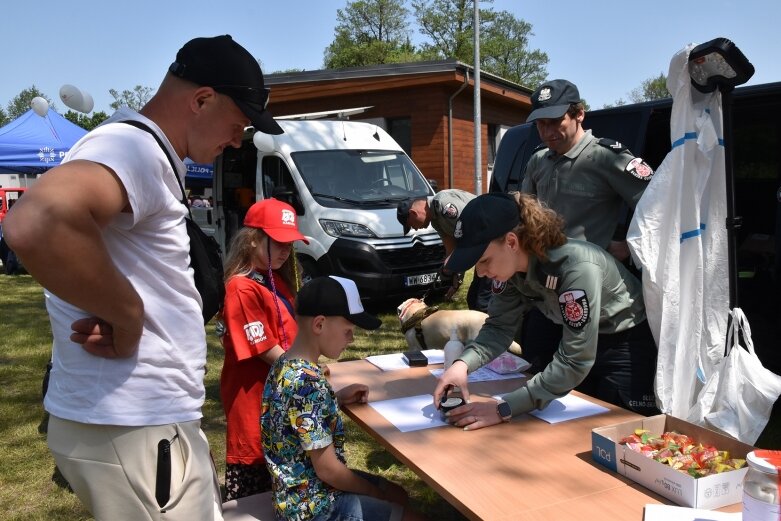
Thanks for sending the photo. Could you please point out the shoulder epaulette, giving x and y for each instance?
(612, 144)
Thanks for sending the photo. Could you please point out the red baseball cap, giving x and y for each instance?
(276, 218)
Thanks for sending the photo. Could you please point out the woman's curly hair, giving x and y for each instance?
(540, 228)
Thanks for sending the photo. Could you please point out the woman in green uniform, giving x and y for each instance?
(606, 349)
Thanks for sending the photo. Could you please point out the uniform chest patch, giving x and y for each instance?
(574, 308)
(497, 287)
(449, 210)
(640, 169)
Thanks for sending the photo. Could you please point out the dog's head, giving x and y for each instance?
(407, 309)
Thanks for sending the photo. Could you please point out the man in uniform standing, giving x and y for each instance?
(583, 178)
(442, 213)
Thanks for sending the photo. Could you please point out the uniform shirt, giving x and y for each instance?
(587, 184)
(581, 287)
(299, 413)
(446, 207)
(251, 328)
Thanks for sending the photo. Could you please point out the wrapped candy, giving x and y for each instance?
(682, 453)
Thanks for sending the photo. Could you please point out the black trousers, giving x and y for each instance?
(479, 293)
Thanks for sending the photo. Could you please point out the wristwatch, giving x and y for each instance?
(504, 412)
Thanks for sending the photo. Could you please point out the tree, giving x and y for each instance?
(505, 51)
(449, 24)
(134, 99)
(651, 89)
(87, 122)
(3, 117)
(370, 32)
(21, 102)
(504, 39)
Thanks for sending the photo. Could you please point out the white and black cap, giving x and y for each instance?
(334, 296)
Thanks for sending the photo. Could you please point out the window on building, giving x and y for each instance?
(400, 129)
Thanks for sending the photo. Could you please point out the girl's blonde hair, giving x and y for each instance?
(241, 253)
(540, 228)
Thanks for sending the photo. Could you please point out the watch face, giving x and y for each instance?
(504, 410)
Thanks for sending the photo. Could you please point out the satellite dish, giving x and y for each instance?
(39, 105)
(76, 99)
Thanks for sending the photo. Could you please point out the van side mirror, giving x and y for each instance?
(433, 184)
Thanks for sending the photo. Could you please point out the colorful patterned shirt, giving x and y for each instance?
(299, 413)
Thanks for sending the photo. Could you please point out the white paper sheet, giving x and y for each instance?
(482, 375)
(411, 413)
(395, 361)
(655, 512)
(569, 407)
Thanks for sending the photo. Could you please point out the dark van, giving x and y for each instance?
(645, 129)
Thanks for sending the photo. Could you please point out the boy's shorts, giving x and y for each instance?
(357, 507)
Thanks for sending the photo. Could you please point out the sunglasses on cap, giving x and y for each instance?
(248, 94)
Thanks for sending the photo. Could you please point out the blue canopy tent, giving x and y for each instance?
(31, 144)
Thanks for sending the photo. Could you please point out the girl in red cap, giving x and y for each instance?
(260, 287)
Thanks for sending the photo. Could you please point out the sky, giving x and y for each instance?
(606, 47)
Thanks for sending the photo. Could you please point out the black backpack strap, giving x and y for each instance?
(145, 128)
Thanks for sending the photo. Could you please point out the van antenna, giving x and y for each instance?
(344, 133)
(376, 134)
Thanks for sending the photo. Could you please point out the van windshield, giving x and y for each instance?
(361, 176)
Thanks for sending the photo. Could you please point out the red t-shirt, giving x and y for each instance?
(251, 327)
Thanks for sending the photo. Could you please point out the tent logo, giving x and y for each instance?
(47, 155)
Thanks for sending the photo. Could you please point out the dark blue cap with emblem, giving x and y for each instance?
(484, 218)
(552, 99)
(402, 212)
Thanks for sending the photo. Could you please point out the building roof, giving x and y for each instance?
(295, 85)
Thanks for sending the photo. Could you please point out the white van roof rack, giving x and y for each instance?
(326, 114)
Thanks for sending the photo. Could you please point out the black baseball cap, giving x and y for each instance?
(228, 68)
(334, 296)
(484, 218)
(402, 212)
(552, 99)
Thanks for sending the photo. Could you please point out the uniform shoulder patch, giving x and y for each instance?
(640, 169)
(574, 308)
(612, 144)
(449, 211)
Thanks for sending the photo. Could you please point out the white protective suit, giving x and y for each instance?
(679, 238)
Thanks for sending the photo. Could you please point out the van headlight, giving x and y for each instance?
(345, 229)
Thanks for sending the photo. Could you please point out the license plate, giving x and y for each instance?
(420, 280)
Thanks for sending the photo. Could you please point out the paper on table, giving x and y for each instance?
(411, 413)
(395, 361)
(655, 512)
(482, 375)
(568, 407)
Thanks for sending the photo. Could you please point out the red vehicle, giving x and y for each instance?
(8, 196)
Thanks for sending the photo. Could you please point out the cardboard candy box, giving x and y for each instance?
(713, 491)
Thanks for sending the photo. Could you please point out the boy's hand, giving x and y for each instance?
(354, 393)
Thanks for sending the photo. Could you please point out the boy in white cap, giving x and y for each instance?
(302, 432)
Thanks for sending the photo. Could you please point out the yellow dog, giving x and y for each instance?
(427, 327)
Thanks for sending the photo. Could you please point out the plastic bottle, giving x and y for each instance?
(453, 348)
(760, 486)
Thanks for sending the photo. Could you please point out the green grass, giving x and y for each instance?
(29, 487)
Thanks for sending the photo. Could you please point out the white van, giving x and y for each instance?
(345, 180)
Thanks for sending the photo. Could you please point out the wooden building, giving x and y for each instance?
(418, 104)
